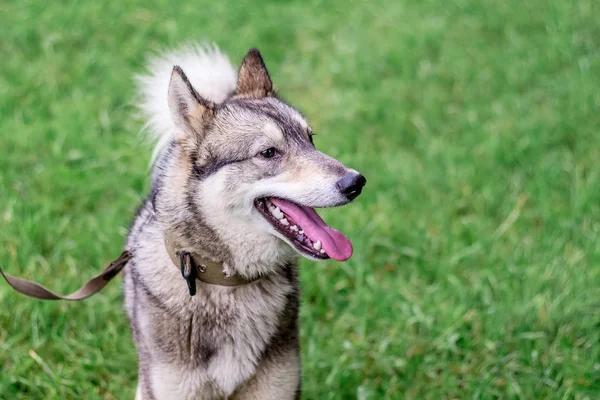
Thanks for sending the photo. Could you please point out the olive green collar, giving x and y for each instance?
(194, 266)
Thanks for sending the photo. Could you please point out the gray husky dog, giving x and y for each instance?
(212, 289)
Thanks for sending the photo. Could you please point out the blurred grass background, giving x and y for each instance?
(477, 267)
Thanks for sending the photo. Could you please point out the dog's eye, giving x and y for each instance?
(269, 153)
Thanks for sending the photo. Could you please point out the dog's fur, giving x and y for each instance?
(211, 125)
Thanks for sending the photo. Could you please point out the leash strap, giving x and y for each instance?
(91, 287)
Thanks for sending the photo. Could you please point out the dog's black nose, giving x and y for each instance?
(351, 185)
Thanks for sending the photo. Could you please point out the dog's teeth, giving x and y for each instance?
(294, 228)
(284, 221)
(276, 212)
(317, 245)
(301, 232)
(322, 251)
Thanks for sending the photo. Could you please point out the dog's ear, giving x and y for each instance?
(253, 78)
(189, 110)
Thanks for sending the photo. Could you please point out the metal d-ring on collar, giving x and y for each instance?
(193, 266)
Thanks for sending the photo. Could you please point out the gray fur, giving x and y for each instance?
(224, 342)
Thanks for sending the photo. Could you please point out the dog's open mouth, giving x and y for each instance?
(303, 227)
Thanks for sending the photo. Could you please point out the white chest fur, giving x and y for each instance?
(235, 324)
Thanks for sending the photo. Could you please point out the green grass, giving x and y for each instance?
(476, 272)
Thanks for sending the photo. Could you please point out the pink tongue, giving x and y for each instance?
(334, 242)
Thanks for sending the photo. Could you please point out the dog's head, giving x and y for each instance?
(254, 174)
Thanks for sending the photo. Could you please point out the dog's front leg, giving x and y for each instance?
(276, 379)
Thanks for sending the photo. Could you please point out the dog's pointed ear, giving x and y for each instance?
(188, 109)
(253, 78)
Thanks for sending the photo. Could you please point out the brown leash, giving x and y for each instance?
(90, 288)
(193, 266)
